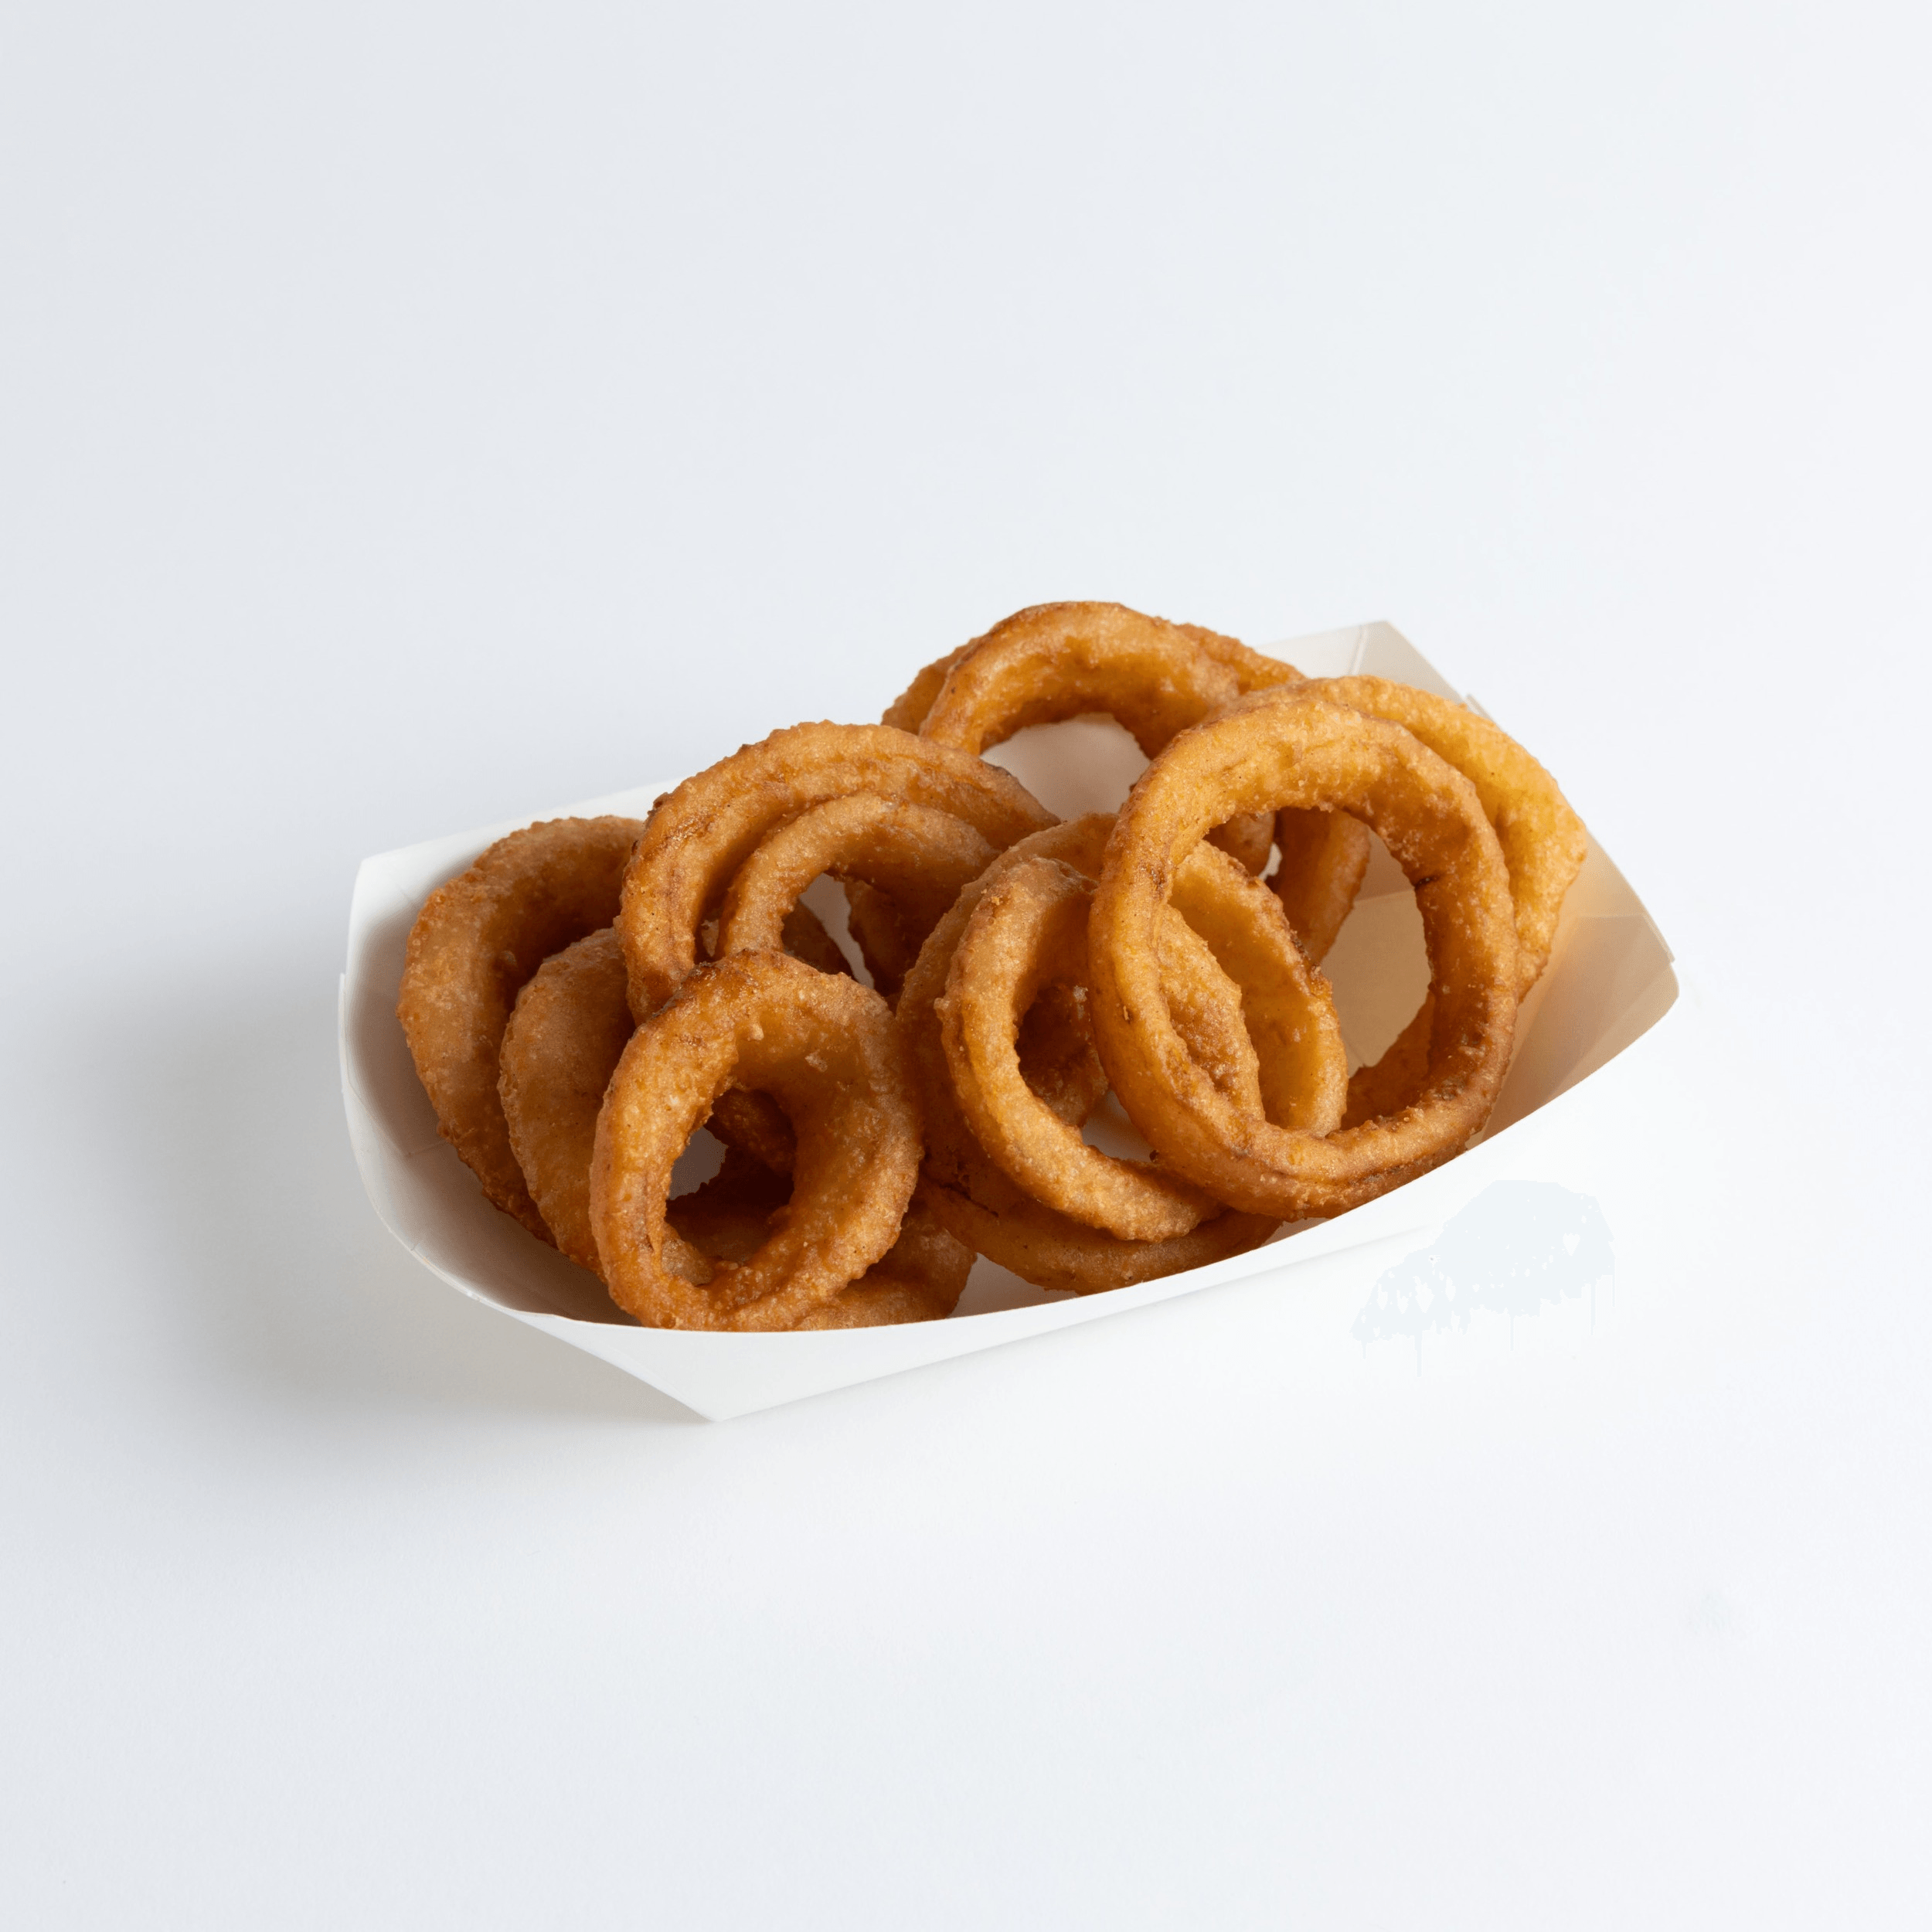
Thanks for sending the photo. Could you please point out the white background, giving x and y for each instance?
(414, 417)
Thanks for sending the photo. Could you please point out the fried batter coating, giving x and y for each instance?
(572, 1023)
(1055, 661)
(1543, 841)
(825, 1048)
(699, 835)
(920, 1278)
(1028, 930)
(1058, 661)
(972, 1196)
(1289, 746)
(915, 857)
(474, 945)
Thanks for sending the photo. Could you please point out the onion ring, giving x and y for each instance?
(920, 1278)
(1324, 855)
(907, 711)
(1028, 930)
(1543, 845)
(970, 1194)
(825, 1047)
(873, 922)
(479, 937)
(572, 1023)
(1057, 1057)
(1058, 661)
(916, 857)
(1286, 746)
(1392, 1082)
(1543, 841)
(802, 933)
(752, 1122)
(1253, 670)
(887, 950)
(1052, 1252)
(1057, 1060)
(699, 835)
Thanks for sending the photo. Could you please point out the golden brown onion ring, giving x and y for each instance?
(752, 1122)
(976, 1199)
(1223, 920)
(826, 1048)
(1057, 1058)
(1282, 748)
(874, 923)
(1392, 1082)
(571, 1025)
(1059, 661)
(563, 1043)
(1543, 841)
(1323, 855)
(475, 944)
(802, 933)
(699, 835)
(917, 857)
(1028, 931)
(907, 711)
(1098, 645)
(1543, 845)
(1052, 1252)
(920, 1278)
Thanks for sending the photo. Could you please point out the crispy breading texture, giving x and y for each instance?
(825, 1048)
(972, 1194)
(475, 943)
(916, 857)
(572, 1023)
(699, 835)
(1287, 746)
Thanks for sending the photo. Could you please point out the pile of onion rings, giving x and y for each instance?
(590, 994)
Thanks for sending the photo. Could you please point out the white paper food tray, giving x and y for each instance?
(1518, 1226)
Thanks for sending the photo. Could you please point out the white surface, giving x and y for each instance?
(409, 413)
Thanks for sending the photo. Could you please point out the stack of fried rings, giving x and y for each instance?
(592, 992)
